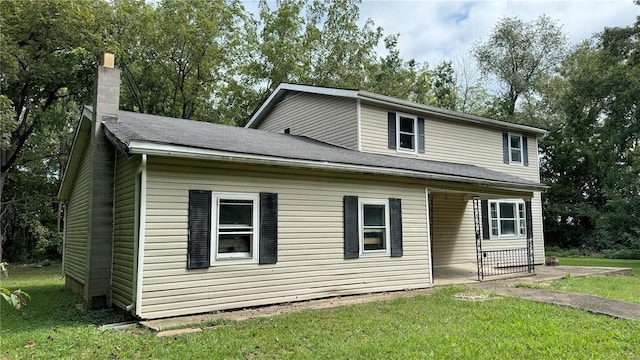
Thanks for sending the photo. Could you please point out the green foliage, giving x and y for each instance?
(15, 298)
(519, 54)
(178, 57)
(8, 122)
(591, 155)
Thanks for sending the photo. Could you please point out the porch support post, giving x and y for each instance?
(478, 228)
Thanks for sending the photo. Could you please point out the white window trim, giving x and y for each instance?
(415, 134)
(511, 161)
(367, 253)
(228, 260)
(517, 202)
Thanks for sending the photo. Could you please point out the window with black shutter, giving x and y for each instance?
(405, 133)
(372, 227)
(233, 228)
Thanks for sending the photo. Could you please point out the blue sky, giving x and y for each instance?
(433, 31)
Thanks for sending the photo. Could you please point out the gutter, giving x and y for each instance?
(137, 147)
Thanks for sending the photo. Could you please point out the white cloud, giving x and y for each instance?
(433, 31)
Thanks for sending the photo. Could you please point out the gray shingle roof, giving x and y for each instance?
(131, 126)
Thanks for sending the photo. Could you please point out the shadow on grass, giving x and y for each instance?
(54, 306)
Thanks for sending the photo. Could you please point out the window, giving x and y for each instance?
(507, 219)
(515, 149)
(231, 228)
(407, 128)
(235, 230)
(374, 230)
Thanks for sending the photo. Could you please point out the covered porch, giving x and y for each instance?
(482, 235)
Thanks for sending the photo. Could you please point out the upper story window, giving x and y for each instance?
(515, 149)
(407, 128)
(405, 133)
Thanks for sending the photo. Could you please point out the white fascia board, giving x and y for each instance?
(263, 109)
(138, 147)
(412, 106)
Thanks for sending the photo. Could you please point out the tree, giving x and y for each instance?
(592, 154)
(316, 43)
(49, 52)
(179, 56)
(518, 54)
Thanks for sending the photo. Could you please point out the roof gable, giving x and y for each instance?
(80, 138)
(387, 101)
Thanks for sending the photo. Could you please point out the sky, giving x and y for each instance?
(433, 31)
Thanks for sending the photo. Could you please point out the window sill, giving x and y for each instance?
(227, 261)
(408, 152)
(509, 238)
(375, 254)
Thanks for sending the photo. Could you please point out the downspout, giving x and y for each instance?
(142, 209)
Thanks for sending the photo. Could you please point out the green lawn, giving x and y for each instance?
(625, 288)
(434, 326)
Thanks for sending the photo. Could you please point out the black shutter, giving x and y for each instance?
(505, 148)
(395, 219)
(391, 130)
(351, 242)
(525, 151)
(199, 229)
(268, 228)
(484, 204)
(529, 216)
(421, 135)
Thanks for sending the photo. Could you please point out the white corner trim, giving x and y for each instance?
(140, 147)
(426, 204)
(359, 123)
(141, 233)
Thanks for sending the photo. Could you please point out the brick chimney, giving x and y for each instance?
(97, 289)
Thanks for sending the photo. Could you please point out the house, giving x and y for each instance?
(324, 192)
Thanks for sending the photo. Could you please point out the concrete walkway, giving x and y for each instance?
(502, 286)
(591, 303)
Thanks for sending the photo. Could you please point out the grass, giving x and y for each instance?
(436, 326)
(625, 288)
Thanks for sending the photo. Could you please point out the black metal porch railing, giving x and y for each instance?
(502, 262)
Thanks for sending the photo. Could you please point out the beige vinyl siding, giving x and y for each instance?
(310, 240)
(77, 226)
(450, 141)
(454, 239)
(124, 230)
(326, 118)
